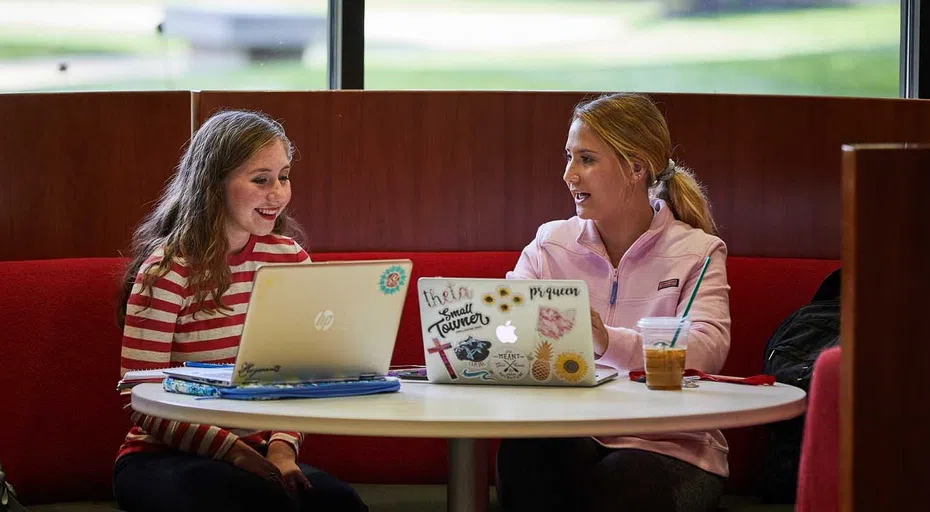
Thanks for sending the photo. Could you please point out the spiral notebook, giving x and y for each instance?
(135, 377)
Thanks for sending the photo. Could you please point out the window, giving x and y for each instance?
(69, 45)
(827, 47)
(816, 47)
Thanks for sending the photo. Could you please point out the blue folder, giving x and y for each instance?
(325, 389)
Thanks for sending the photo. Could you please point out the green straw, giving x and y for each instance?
(690, 301)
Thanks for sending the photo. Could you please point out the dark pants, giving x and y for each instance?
(580, 474)
(177, 481)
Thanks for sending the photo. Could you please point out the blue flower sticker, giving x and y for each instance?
(392, 279)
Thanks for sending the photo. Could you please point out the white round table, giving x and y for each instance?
(469, 415)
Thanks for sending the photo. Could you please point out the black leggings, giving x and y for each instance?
(178, 481)
(579, 474)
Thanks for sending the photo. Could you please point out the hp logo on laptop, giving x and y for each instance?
(323, 320)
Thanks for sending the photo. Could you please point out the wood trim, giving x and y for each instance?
(883, 453)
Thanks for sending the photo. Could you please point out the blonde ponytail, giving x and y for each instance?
(687, 199)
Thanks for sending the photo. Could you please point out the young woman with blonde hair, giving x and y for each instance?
(642, 232)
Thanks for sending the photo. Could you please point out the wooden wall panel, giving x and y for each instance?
(481, 170)
(883, 416)
(420, 171)
(428, 170)
(78, 171)
(772, 164)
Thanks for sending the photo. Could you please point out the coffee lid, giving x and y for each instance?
(661, 322)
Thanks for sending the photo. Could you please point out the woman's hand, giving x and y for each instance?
(599, 332)
(283, 457)
(245, 457)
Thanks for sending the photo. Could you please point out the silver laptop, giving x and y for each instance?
(514, 332)
(316, 322)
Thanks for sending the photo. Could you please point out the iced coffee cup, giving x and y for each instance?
(664, 362)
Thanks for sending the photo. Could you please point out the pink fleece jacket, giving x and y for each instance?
(654, 278)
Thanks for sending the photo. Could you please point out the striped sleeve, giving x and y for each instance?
(302, 256)
(206, 440)
(294, 439)
(151, 318)
(151, 321)
(279, 249)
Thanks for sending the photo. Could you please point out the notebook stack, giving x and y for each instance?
(216, 381)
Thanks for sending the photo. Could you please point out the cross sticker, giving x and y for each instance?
(441, 349)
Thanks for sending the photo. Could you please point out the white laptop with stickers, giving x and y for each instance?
(513, 332)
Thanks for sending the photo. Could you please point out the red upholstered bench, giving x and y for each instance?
(61, 423)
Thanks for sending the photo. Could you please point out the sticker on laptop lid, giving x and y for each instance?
(541, 369)
(570, 367)
(553, 292)
(509, 364)
(553, 324)
(392, 279)
(503, 298)
(484, 375)
(440, 348)
(472, 350)
(450, 294)
(457, 320)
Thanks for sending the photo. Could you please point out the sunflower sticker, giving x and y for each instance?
(570, 367)
(504, 299)
(392, 279)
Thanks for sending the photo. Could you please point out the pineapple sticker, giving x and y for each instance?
(542, 361)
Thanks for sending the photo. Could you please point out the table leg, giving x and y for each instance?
(468, 475)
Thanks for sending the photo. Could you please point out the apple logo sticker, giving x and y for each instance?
(506, 333)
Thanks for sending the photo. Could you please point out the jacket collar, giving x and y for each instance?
(590, 239)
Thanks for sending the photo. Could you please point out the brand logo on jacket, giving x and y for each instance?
(668, 283)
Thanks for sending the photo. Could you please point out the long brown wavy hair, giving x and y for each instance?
(633, 127)
(189, 219)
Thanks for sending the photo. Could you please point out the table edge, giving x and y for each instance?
(471, 429)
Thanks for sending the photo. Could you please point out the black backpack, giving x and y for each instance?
(8, 501)
(790, 354)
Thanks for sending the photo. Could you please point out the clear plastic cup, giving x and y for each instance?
(665, 364)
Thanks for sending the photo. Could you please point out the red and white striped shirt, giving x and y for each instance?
(168, 332)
